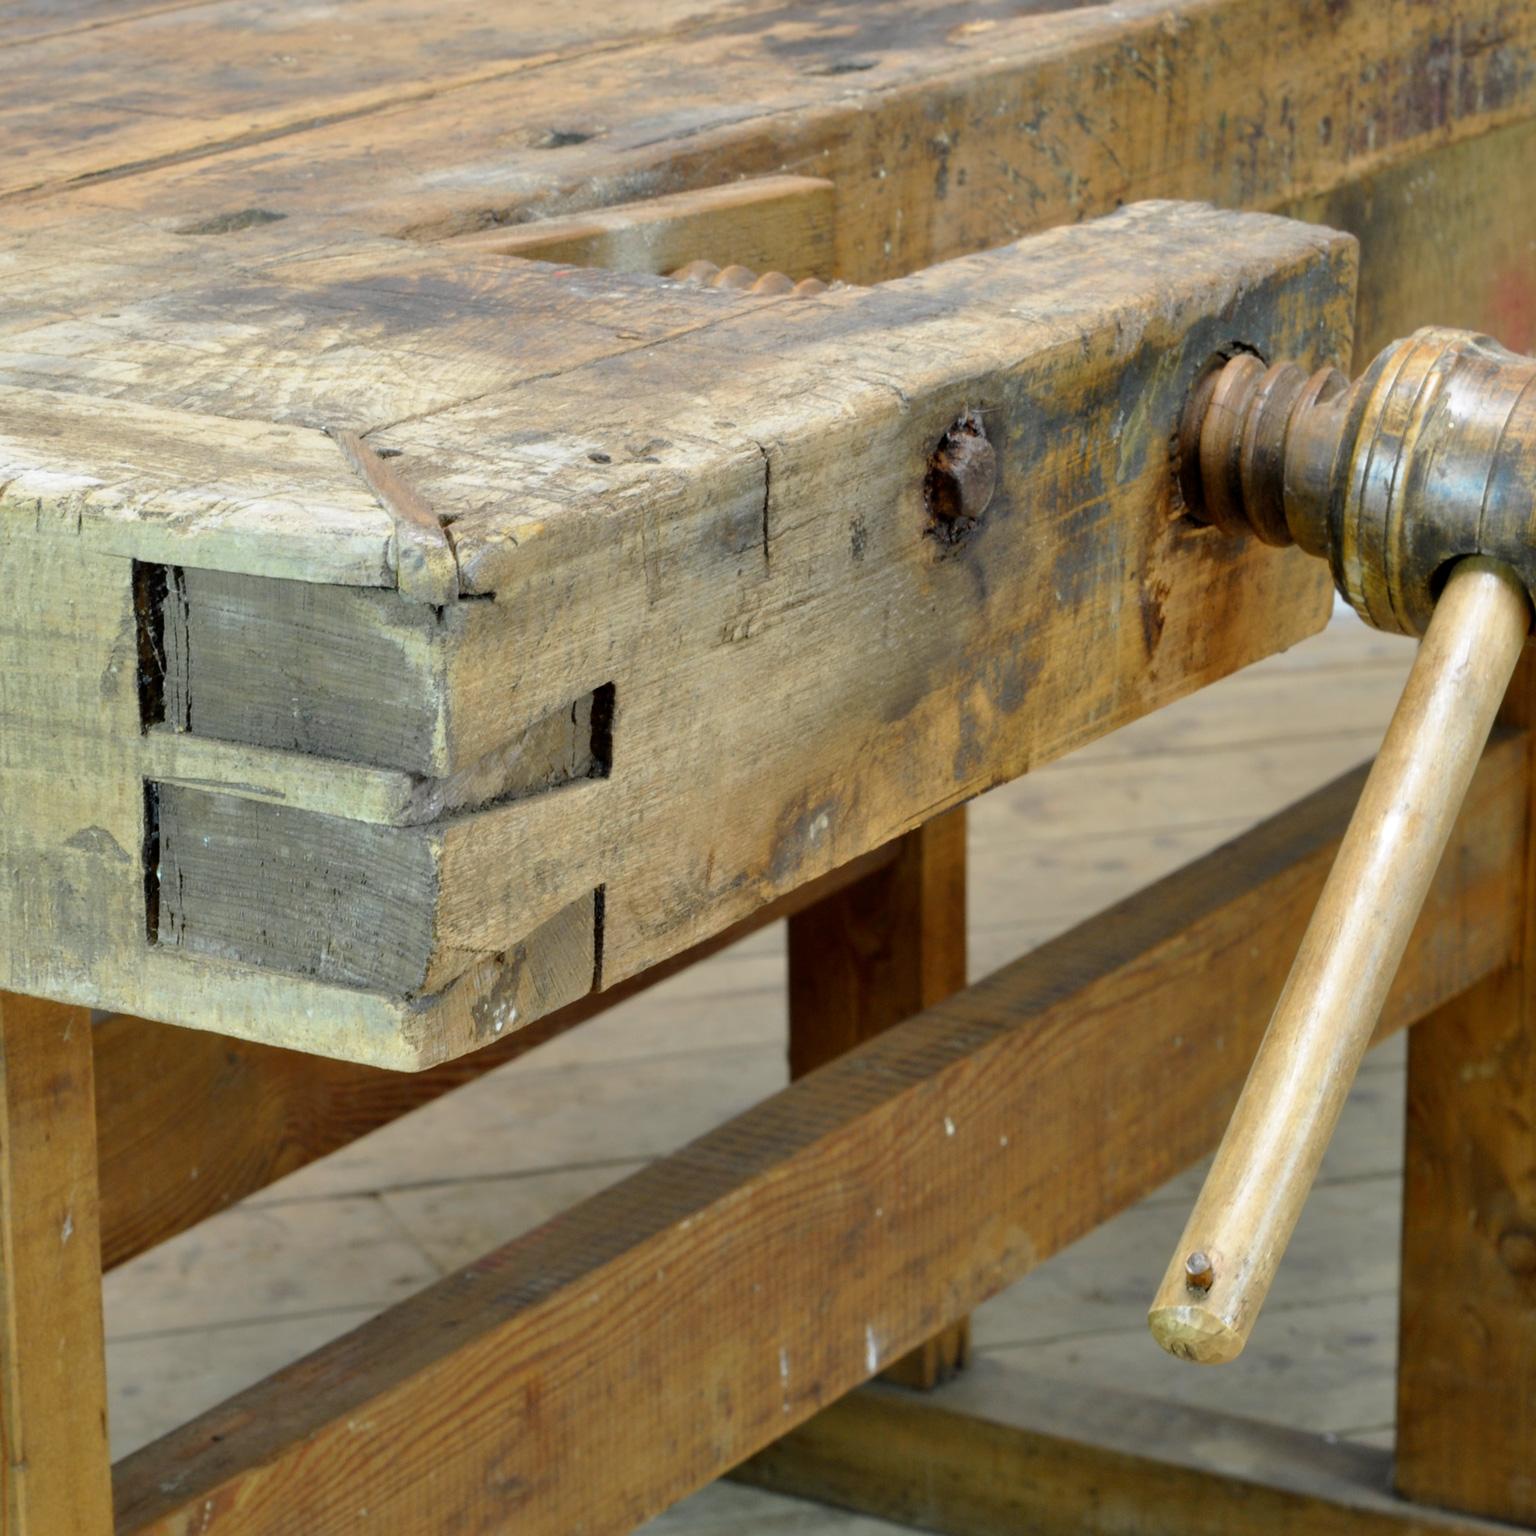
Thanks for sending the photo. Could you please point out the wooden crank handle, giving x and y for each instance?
(1226, 1259)
(1415, 483)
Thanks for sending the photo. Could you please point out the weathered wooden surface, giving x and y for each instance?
(209, 70)
(1476, 272)
(1063, 1087)
(911, 109)
(774, 223)
(1466, 1434)
(638, 1081)
(190, 1122)
(244, 189)
(1466, 1427)
(231, 252)
(1003, 1452)
(874, 953)
(684, 565)
(54, 1477)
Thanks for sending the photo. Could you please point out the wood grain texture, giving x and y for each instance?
(154, 483)
(881, 949)
(911, 110)
(1466, 1424)
(231, 258)
(28, 20)
(1001, 1451)
(1065, 1086)
(768, 223)
(252, 301)
(262, 882)
(787, 535)
(1482, 280)
(688, 564)
(74, 830)
(1224, 1263)
(191, 1122)
(873, 954)
(244, 72)
(53, 1386)
(317, 329)
(280, 664)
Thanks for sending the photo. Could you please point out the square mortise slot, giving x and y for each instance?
(149, 593)
(779, 224)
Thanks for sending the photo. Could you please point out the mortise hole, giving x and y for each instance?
(150, 585)
(604, 700)
(151, 856)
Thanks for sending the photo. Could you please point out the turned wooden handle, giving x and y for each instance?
(1264, 1168)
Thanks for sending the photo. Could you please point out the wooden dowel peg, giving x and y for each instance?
(1221, 1271)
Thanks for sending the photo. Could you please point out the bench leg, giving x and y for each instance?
(1466, 1430)
(869, 956)
(54, 1464)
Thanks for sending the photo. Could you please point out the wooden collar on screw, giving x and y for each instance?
(1417, 484)
(1429, 457)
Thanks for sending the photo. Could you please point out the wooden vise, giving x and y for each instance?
(1418, 485)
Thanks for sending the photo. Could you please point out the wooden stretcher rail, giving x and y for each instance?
(592, 1372)
(998, 1452)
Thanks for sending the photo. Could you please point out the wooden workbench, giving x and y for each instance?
(422, 621)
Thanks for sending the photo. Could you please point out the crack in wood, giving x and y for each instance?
(426, 567)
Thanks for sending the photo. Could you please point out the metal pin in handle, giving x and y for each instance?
(1221, 1272)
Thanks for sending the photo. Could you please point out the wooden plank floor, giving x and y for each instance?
(217, 1308)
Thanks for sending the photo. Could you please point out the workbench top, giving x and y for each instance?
(407, 634)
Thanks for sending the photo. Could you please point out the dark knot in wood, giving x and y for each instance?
(961, 479)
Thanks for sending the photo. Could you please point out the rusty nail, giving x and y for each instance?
(1199, 1271)
(962, 476)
